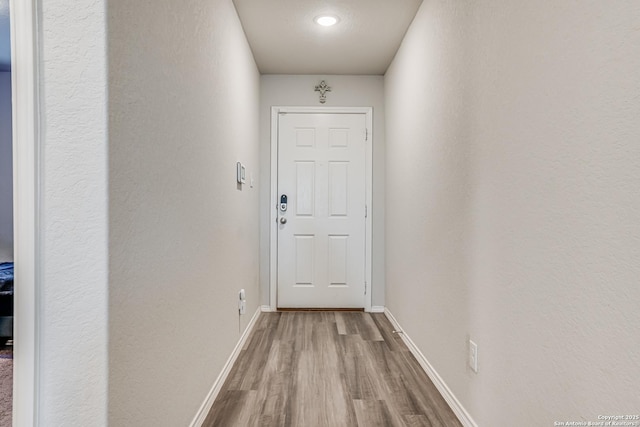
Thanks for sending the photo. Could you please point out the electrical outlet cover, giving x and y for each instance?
(473, 356)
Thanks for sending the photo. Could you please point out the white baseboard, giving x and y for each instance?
(202, 413)
(442, 387)
(377, 309)
(267, 309)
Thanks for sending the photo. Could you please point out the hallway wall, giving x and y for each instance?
(6, 170)
(183, 238)
(512, 148)
(347, 91)
(71, 262)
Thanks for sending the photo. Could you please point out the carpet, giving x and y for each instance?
(6, 385)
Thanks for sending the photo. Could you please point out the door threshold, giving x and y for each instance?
(321, 309)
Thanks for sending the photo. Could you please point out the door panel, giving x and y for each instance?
(338, 188)
(321, 246)
(304, 253)
(338, 251)
(305, 188)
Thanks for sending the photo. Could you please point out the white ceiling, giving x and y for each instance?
(5, 33)
(285, 39)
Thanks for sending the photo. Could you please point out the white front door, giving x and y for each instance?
(321, 234)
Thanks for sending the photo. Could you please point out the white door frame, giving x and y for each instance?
(273, 205)
(26, 201)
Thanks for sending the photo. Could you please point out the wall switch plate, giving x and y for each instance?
(473, 356)
(241, 173)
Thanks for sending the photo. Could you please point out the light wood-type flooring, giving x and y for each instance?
(327, 369)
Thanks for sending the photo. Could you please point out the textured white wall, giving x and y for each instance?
(72, 309)
(6, 170)
(347, 91)
(513, 151)
(183, 108)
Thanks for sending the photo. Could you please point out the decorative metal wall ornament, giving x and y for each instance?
(323, 89)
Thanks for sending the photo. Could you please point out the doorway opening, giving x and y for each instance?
(25, 121)
(6, 220)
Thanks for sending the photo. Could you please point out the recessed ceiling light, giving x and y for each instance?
(326, 20)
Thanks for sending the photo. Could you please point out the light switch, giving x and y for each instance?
(240, 173)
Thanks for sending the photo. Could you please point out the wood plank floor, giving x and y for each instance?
(316, 369)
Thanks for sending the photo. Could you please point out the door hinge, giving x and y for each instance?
(365, 287)
(366, 134)
(366, 211)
